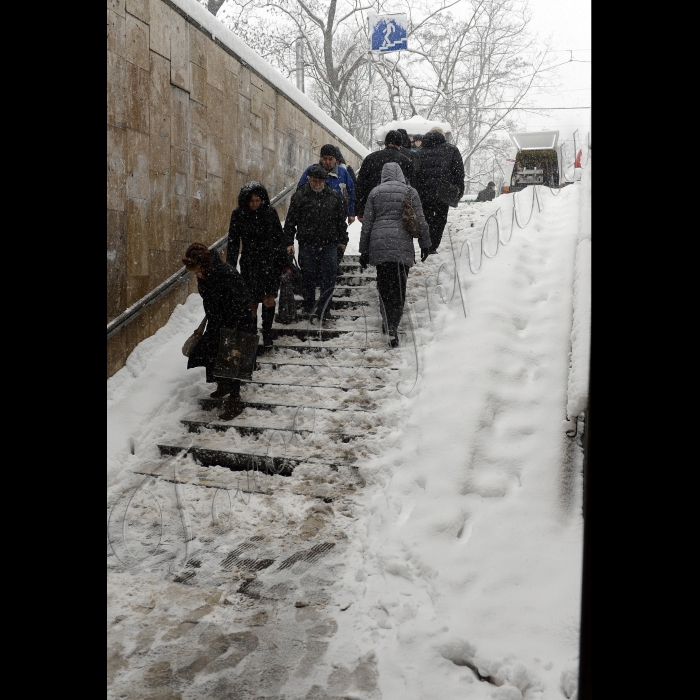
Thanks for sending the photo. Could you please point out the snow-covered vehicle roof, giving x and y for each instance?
(535, 140)
(415, 125)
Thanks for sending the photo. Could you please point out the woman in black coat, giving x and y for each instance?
(257, 226)
(227, 304)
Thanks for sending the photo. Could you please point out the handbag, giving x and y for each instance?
(447, 192)
(192, 341)
(286, 304)
(237, 351)
(296, 277)
(410, 220)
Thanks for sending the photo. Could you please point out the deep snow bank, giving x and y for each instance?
(581, 326)
(467, 554)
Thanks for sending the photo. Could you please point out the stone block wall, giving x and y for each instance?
(188, 123)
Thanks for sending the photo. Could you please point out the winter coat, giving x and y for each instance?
(384, 235)
(339, 179)
(370, 174)
(317, 218)
(227, 304)
(436, 158)
(264, 255)
(486, 195)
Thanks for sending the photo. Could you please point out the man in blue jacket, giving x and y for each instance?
(338, 178)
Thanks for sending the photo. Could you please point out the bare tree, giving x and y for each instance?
(466, 63)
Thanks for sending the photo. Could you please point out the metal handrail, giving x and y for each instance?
(126, 317)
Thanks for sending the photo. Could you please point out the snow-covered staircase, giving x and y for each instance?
(311, 398)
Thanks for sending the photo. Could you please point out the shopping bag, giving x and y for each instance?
(190, 343)
(236, 358)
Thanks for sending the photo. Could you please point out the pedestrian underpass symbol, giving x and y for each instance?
(388, 32)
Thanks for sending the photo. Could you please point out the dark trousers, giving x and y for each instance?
(391, 285)
(268, 316)
(235, 384)
(436, 218)
(313, 259)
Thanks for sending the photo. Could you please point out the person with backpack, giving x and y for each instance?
(386, 243)
(256, 231)
(439, 181)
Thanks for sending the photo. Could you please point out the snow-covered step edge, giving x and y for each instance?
(209, 404)
(245, 461)
(194, 426)
(318, 386)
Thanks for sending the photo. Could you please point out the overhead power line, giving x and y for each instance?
(537, 107)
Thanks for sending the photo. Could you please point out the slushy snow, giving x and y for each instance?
(462, 570)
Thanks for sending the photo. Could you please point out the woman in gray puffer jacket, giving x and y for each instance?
(387, 244)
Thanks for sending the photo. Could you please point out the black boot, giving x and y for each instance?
(268, 316)
(232, 409)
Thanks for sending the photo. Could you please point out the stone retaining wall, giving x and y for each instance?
(188, 123)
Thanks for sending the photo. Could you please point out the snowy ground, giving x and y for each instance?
(456, 546)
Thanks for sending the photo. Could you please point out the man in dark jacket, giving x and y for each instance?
(488, 194)
(440, 179)
(317, 216)
(370, 174)
(338, 178)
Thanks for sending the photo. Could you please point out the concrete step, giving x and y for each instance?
(236, 460)
(355, 280)
(209, 404)
(349, 268)
(316, 346)
(195, 425)
(317, 332)
(276, 363)
(339, 303)
(301, 384)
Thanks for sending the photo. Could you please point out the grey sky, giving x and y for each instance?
(568, 22)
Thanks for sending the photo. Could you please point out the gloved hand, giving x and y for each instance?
(424, 253)
(364, 261)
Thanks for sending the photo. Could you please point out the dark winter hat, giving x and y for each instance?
(329, 150)
(491, 184)
(393, 138)
(339, 155)
(317, 170)
(417, 137)
(405, 141)
(197, 256)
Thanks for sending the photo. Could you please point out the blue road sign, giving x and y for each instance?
(388, 32)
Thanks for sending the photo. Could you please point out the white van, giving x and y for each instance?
(537, 161)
